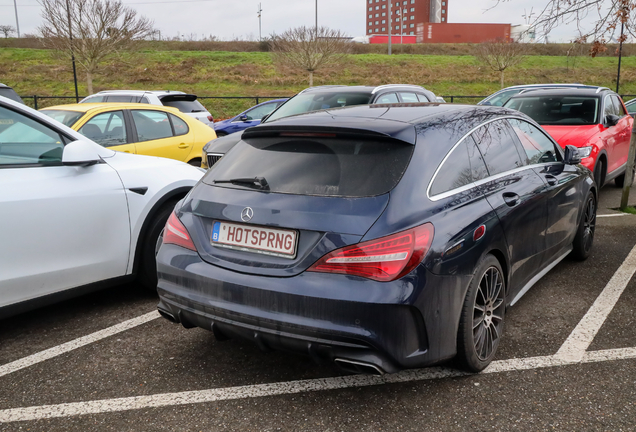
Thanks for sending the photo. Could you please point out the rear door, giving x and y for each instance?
(516, 193)
(156, 134)
(108, 129)
(623, 131)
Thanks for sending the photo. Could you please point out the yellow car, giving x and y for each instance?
(137, 128)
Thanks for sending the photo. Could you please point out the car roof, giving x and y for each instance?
(398, 121)
(362, 89)
(86, 107)
(529, 86)
(599, 91)
(138, 92)
(4, 85)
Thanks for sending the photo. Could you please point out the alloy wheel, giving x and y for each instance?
(589, 223)
(488, 313)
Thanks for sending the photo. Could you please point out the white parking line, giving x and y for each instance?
(572, 352)
(611, 215)
(291, 387)
(580, 339)
(76, 343)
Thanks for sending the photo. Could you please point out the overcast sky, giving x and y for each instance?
(228, 19)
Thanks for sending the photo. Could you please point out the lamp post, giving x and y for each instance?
(620, 55)
(399, 12)
(390, 25)
(70, 35)
(260, 13)
(17, 23)
(316, 19)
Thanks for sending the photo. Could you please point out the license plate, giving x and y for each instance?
(251, 238)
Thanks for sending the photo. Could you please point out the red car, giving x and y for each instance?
(594, 120)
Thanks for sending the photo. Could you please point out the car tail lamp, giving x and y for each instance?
(177, 234)
(384, 259)
(211, 119)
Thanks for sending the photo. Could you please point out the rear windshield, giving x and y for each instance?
(308, 102)
(324, 167)
(67, 118)
(186, 106)
(558, 110)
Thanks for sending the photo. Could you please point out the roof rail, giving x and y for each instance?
(382, 87)
(601, 89)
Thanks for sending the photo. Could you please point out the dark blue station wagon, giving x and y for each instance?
(377, 237)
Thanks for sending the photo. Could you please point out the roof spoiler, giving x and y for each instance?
(178, 97)
(379, 131)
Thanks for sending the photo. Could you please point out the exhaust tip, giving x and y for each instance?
(358, 367)
(168, 316)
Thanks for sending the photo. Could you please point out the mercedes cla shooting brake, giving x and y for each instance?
(377, 237)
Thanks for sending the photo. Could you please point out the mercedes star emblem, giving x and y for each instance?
(247, 214)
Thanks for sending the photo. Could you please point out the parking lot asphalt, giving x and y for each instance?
(106, 362)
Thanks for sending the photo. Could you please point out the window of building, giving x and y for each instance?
(397, 27)
(377, 22)
(370, 1)
(371, 8)
(383, 21)
(412, 17)
(377, 8)
(383, 13)
(377, 15)
(377, 30)
(370, 24)
(383, 6)
(411, 25)
(383, 29)
(412, 9)
(443, 19)
(411, 33)
(443, 11)
(370, 31)
(404, 26)
(370, 16)
(412, 1)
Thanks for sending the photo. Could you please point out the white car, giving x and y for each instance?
(186, 103)
(75, 215)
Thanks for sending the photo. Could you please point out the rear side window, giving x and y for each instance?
(408, 97)
(151, 125)
(537, 146)
(497, 147)
(94, 99)
(180, 127)
(10, 93)
(422, 98)
(121, 99)
(464, 165)
(324, 167)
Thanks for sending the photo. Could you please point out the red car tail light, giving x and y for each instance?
(210, 118)
(384, 259)
(177, 234)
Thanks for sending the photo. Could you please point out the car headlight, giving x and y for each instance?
(585, 151)
(204, 159)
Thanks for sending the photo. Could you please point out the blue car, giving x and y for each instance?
(377, 237)
(246, 119)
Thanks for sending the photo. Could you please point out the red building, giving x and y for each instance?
(424, 21)
(406, 15)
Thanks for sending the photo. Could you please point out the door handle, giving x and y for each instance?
(126, 151)
(511, 199)
(183, 145)
(552, 180)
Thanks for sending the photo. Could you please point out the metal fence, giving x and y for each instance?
(222, 107)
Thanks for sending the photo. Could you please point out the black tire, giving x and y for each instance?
(147, 274)
(196, 162)
(482, 320)
(584, 237)
(620, 180)
(598, 173)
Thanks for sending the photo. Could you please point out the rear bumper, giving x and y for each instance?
(390, 326)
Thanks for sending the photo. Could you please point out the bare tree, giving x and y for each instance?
(310, 49)
(597, 21)
(7, 30)
(98, 29)
(500, 54)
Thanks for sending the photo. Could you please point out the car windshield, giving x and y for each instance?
(498, 99)
(307, 102)
(185, 106)
(558, 110)
(67, 118)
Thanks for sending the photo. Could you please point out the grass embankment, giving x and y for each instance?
(37, 71)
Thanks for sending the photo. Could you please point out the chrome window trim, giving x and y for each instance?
(394, 86)
(469, 186)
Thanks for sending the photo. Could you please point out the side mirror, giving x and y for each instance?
(80, 153)
(611, 120)
(572, 155)
(243, 118)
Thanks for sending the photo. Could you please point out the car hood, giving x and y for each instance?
(224, 144)
(577, 136)
(154, 172)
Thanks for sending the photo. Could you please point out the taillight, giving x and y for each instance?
(177, 234)
(384, 259)
(210, 119)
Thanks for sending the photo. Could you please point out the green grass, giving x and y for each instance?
(225, 73)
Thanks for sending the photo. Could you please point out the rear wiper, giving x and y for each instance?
(258, 182)
(197, 111)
